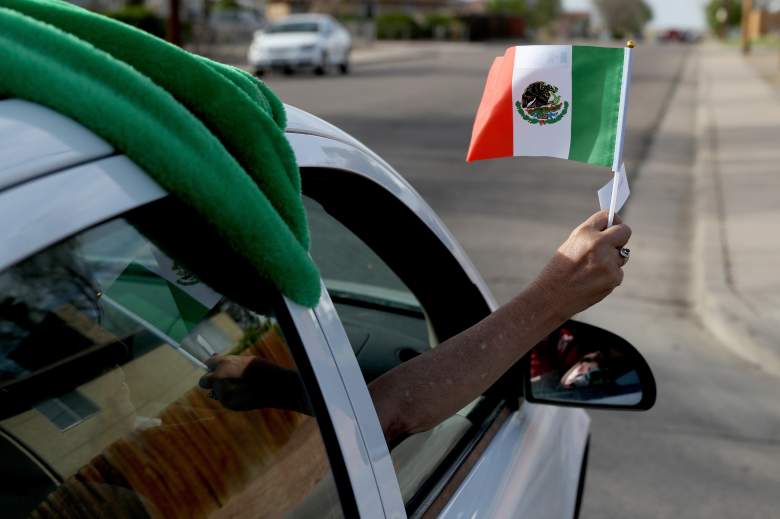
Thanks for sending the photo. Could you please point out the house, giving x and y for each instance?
(573, 24)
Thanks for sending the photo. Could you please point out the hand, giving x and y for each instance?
(244, 382)
(587, 266)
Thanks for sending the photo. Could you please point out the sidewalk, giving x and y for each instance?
(766, 61)
(737, 244)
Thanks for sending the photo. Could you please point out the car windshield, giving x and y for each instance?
(294, 27)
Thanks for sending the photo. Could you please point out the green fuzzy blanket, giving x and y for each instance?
(210, 134)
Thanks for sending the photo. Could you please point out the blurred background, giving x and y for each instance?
(701, 298)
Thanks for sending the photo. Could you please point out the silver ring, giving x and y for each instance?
(625, 252)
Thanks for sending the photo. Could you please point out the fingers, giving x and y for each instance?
(213, 361)
(207, 381)
(617, 235)
(599, 220)
(222, 367)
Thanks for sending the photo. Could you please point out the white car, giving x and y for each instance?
(113, 295)
(314, 41)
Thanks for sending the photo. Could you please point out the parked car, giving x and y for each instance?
(113, 295)
(312, 41)
(678, 36)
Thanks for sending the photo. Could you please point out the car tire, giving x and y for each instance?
(288, 71)
(320, 69)
(259, 72)
(344, 68)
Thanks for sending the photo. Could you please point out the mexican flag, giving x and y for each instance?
(562, 101)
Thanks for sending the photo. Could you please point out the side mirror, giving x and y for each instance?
(580, 365)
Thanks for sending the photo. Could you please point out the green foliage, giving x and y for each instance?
(538, 14)
(440, 25)
(544, 12)
(733, 11)
(401, 26)
(252, 336)
(625, 18)
(513, 7)
(397, 26)
(226, 5)
(349, 18)
(140, 17)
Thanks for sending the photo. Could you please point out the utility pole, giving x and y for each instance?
(369, 21)
(747, 8)
(173, 25)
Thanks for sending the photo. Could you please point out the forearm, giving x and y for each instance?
(424, 391)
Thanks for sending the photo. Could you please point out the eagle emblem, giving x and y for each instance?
(542, 104)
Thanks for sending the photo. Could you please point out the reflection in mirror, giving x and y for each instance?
(583, 365)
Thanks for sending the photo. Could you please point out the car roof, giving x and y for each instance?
(296, 18)
(300, 121)
(35, 140)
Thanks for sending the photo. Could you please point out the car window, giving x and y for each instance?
(103, 339)
(294, 27)
(386, 325)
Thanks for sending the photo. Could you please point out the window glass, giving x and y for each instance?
(294, 27)
(103, 340)
(386, 325)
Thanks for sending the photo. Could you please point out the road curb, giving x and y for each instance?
(724, 311)
(399, 56)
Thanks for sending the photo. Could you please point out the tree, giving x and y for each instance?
(538, 13)
(733, 14)
(513, 7)
(624, 18)
(542, 12)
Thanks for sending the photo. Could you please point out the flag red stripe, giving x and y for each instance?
(491, 136)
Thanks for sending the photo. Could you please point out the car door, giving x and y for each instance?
(343, 43)
(330, 40)
(113, 297)
(398, 292)
(400, 285)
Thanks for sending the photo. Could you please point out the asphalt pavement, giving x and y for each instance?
(711, 446)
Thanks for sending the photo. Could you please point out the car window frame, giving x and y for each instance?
(126, 188)
(337, 192)
(329, 187)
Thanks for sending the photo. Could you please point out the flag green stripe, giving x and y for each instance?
(596, 76)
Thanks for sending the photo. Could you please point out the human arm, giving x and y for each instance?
(424, 391)
(244, 382)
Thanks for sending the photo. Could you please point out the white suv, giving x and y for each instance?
(312, 41)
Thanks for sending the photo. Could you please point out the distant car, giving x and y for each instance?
(678, 36)
(310, 41)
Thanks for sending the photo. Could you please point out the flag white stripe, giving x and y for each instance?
(621, 122)
(551, 64)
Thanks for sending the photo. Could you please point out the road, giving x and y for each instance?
(711, 446)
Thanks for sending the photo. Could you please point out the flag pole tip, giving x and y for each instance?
(630, 44)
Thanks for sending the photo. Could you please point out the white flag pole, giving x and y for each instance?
(621, 129)
(613, 198)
